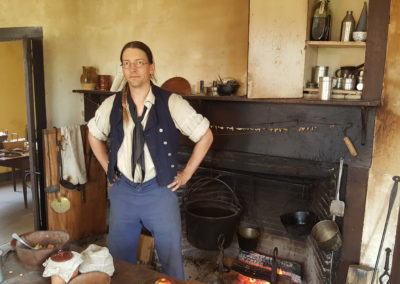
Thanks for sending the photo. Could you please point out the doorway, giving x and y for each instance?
(31, 39)
(16, 214)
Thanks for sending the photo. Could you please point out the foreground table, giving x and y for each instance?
(125, 273)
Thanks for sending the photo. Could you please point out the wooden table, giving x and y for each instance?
(125, 273)
(22, 164)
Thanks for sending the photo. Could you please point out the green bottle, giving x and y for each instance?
(321, 21)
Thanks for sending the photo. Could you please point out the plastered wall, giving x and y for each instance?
(385, 162)
(12, 89)
(194, 39)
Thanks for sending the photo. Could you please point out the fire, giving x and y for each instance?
(241, 279)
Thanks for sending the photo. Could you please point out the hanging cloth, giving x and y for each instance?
(138, 138)
(73, 166)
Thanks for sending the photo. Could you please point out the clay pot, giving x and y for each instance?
(34, 258)
(104, 82)
(88, 78)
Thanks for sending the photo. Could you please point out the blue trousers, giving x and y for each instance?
(134, 205)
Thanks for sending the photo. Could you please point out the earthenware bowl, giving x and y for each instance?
(34, 258)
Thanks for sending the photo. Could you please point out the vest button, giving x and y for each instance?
(165, 142)
(161, 130)
(169, 154)
(172, 166)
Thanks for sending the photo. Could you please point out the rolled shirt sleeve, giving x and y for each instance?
(186, 119)
(99, 125)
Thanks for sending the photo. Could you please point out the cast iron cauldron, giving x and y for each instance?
(210, 214)
(227, 89)
(299, 223)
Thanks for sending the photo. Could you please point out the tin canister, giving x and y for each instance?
(319, 71)
(340, 83)
(349, 84)
(325, 88)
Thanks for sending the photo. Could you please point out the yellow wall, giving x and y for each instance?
(195, 39)
(12, 89)
(385, 162)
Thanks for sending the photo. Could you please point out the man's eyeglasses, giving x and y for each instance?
(138, 63)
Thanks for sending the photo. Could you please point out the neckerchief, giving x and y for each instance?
(138, 138)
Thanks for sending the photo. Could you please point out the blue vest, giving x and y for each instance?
(160, 135)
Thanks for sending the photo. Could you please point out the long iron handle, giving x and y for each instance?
(339, 178)
(391, 202)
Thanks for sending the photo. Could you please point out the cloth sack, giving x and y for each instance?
(97, 258)
(64, 269)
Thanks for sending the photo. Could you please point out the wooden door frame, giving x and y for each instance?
(32, 39)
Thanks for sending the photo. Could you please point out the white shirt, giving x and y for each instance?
(185, 118)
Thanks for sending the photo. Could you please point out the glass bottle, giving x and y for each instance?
(321, 21)
(348, 23)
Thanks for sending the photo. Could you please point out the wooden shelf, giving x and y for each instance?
(335, 91)
(94, 92)
(299, 101)
(336, 44)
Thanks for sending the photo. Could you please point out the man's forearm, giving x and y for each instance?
(100, 151)
(198, 154)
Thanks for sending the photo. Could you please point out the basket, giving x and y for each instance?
(11, 145)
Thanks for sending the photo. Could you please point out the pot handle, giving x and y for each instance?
(199, 184)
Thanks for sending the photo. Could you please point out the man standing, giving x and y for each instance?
(142, 123)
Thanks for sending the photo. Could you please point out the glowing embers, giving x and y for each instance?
(257, 268)
(241, 279)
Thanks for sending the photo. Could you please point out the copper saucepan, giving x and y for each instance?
(327, 235)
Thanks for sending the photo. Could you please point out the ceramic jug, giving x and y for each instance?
(88, 78)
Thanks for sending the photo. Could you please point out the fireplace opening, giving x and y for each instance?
(264, 198)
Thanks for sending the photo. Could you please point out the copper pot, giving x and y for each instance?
(327, 235)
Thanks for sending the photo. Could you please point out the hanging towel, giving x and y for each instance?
(72, 155)
(119, 80)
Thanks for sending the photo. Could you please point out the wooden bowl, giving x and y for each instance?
(34, 258)
(95, 277)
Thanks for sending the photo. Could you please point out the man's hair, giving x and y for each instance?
(140, 45)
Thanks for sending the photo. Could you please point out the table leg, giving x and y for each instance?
(24, 188)
(14, 179)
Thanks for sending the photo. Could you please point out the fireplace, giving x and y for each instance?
(300, 145)
(267, 191)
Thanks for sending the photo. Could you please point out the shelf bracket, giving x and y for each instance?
(364, 123)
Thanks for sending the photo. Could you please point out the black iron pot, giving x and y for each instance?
(211, 216)
(207, 220)
(299, 223)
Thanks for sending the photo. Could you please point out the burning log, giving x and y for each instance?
(255, 268)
